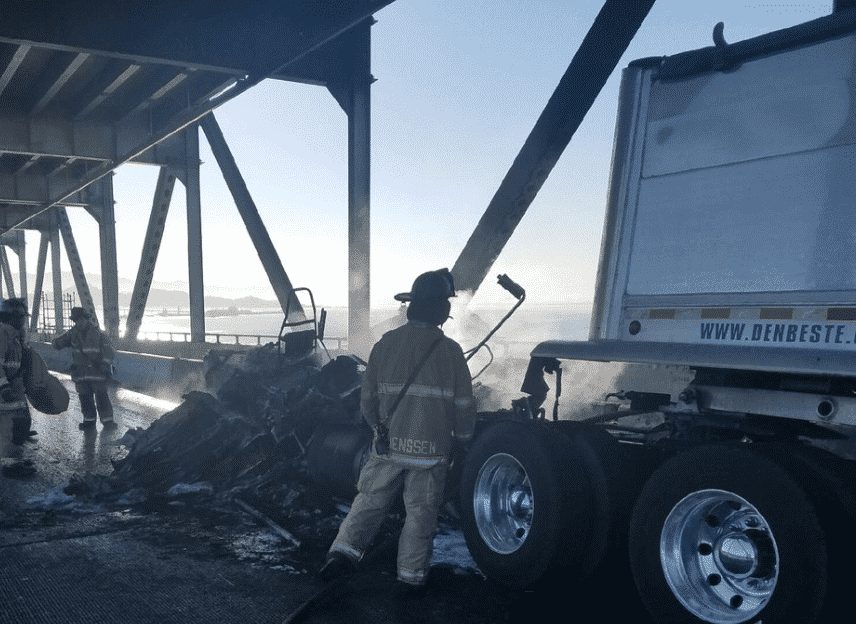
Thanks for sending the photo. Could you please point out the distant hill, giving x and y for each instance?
(159, 297)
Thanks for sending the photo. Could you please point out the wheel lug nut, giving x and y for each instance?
(705, 549)
(736, 601)
(714, 580)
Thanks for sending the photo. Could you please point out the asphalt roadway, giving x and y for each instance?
(61, 561)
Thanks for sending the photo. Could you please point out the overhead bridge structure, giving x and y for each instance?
(89, 85)
(86, 86)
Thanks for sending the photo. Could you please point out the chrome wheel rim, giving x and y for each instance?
(503, 504)
(719, 556)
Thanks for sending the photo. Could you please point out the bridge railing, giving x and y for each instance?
(247, 340)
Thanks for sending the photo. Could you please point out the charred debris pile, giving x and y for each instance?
(244, 444)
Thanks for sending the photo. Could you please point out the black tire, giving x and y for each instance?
(561, 524)
(802, 557)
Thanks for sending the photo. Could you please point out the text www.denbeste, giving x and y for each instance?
(777, 332)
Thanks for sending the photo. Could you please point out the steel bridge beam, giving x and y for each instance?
(354, 96)
(102, 196)
(20, 249)
(98, 141)
(56, 274)
(12, 66)
(252, 220)
(145, 31)
(40, 280)
(54, 79)
(74, 24)
(194, 235)
(73, 255)
(613, 29)
(10, 215)
(149, 254)
(31, 189)
(7, 272)
(16, 241)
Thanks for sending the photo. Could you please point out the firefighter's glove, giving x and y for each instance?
(7, 394)
(381, 441)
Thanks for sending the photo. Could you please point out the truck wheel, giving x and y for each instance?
(720, 534)
(524, 503)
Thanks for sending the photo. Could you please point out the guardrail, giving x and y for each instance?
(231, 339)
(501, 348)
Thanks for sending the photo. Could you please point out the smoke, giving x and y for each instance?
(584, 384)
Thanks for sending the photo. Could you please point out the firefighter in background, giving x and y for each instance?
(417, 395)
(13, 342)
(92, 367)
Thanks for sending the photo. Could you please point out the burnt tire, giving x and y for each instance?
(525, 504)
(721, 534)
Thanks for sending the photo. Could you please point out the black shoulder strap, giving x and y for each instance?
(412, 377)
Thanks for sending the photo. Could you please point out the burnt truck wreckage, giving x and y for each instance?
(278, 435)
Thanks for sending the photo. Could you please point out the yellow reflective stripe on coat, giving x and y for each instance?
(416, 390)
(349, 551)
(12, 406)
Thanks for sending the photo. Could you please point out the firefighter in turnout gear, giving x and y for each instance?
(92, 366)
(417, 395)
(13, 343)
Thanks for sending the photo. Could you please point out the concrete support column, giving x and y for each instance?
(359, 196)
(109, 260)
(252, 221)
(56, 274)
(40, 279)
(77, 272)
(149, 254)
(194, 235)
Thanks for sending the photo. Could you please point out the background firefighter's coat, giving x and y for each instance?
(11, 352)
(91, 352)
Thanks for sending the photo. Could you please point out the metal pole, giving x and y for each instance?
(252, 221)
(610, 34)
(149, 254)
(73, 255)
(40, 279)
(194, 235)
(7, 271)
(56, 274)
(359, 196)
(109, 261)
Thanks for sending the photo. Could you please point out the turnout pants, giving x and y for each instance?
(92, 394)
(380, 483)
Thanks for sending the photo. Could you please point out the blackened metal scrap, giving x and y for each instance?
(247, 439)
(277, 528)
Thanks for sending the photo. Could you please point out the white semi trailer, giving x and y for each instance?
(729, 248)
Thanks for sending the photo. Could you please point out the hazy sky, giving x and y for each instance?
(460, 85)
